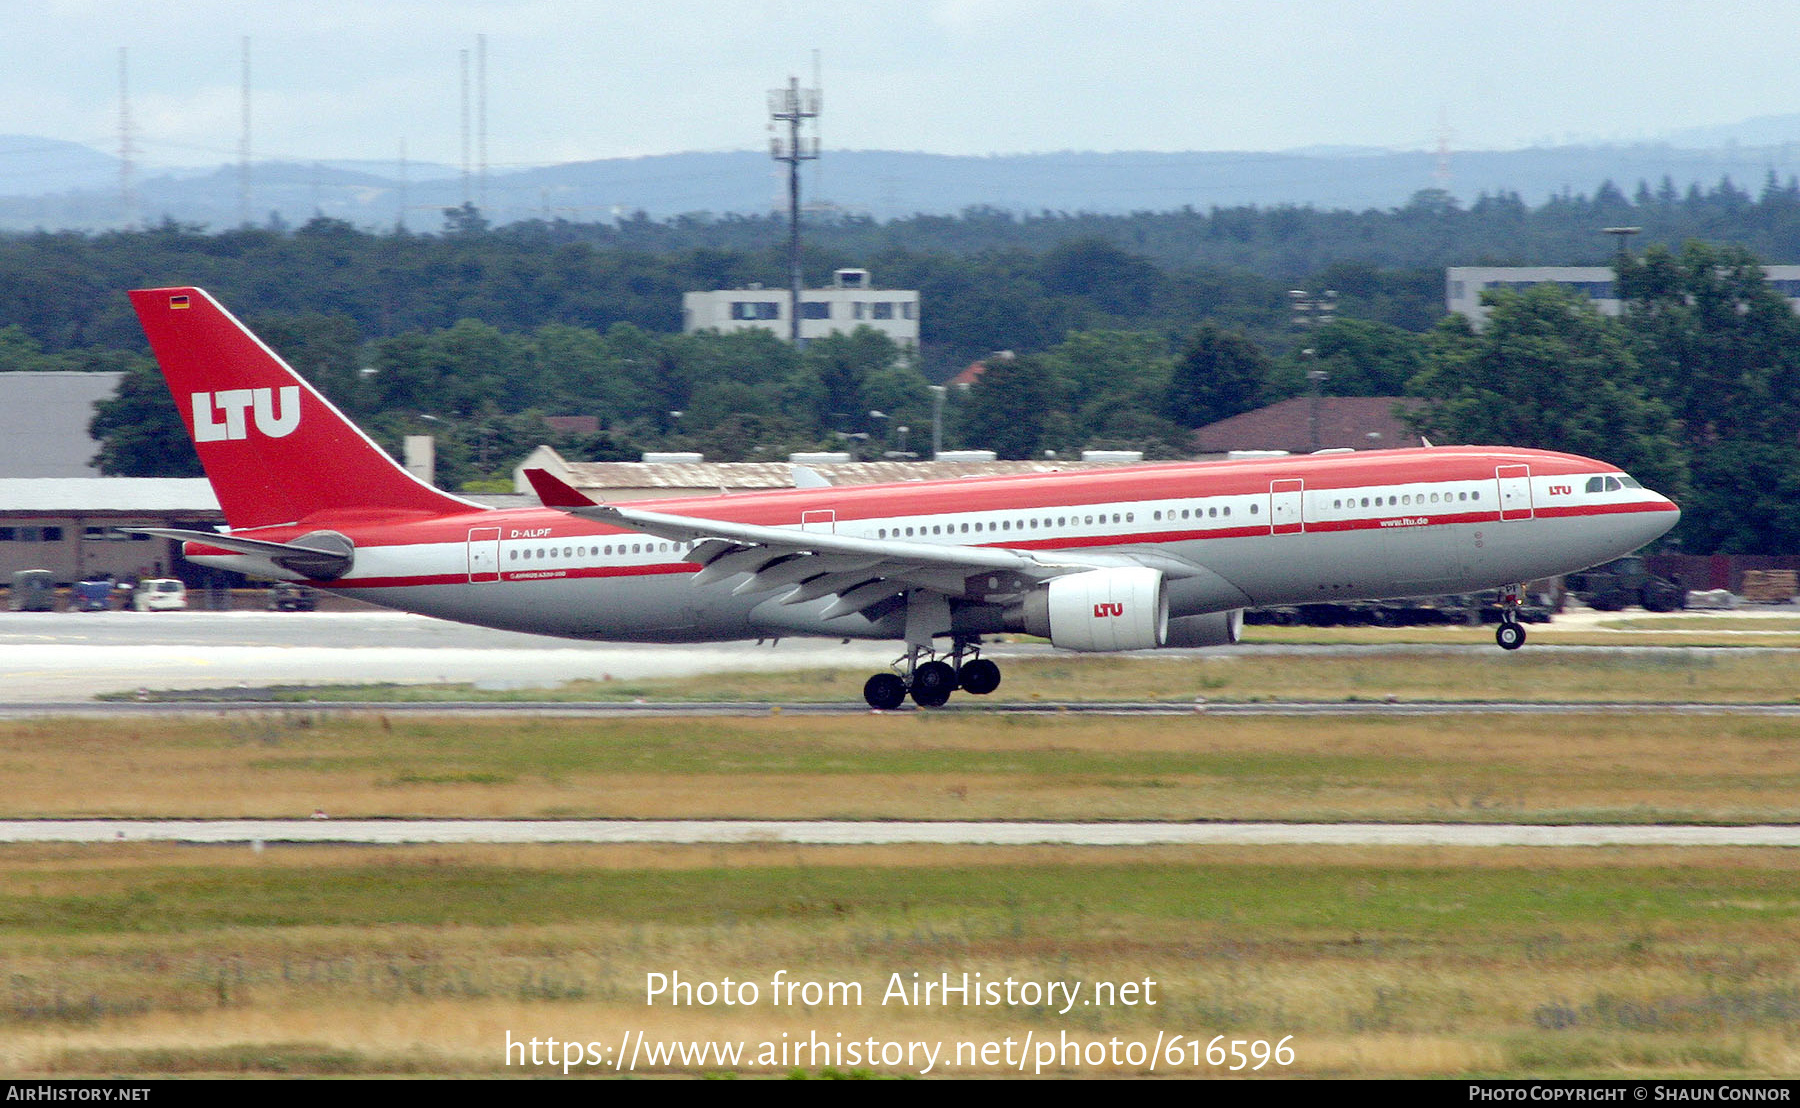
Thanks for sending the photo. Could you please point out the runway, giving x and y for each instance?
(56, 663)
(548, 709)
(848, 833)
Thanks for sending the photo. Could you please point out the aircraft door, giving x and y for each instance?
(1515, 491)
(484, 555)
(1285, 516)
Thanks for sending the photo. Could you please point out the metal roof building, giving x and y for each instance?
(44, 422)
(71, 526)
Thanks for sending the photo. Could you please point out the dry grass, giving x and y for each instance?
(1434, 962)
(1421, 962)
(914, 766)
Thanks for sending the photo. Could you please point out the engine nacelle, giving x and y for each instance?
(1102, 609)
(1211, 629)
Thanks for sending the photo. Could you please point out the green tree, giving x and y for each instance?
(1548, 371)
(1009, 407)
(140, 432)
(1219, 375)
(1724, 347)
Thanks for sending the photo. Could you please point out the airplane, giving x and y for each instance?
(1129, 558)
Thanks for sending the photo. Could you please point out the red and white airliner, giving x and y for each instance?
(1122, 559)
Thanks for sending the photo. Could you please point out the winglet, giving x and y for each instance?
(555, 492)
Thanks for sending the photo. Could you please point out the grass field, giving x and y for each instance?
(1470, 768)
(1367, 962)
(1376, 963)
(1415, 672)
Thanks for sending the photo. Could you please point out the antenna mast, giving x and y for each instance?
(127, 188)
(793, 105)
(244, 143)
(481, 160)
(464, 56)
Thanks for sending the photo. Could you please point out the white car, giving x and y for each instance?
(159, 594)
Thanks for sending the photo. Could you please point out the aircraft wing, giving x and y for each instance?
(860, 572)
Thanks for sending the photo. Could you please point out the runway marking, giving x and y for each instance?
(845, 832)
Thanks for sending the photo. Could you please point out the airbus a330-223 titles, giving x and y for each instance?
(1129, 558)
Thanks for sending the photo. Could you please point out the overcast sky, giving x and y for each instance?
(570, 80)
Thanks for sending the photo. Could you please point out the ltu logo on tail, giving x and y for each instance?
(272, 419)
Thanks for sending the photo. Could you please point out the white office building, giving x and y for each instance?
(852, 301)
(1463, 285)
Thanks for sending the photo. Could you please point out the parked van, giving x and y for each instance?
(159, 594)
(34, 590)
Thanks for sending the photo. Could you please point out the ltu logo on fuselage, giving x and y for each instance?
(272, 419)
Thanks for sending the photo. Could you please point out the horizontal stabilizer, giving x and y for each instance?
(322, 555)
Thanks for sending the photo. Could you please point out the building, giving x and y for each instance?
(1463, 285)
(1307, 423)
(44, 422)
(71, 526)
(852, 301)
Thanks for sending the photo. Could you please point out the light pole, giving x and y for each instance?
(937, 418)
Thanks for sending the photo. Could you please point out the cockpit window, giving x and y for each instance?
(1595, 484)
(1630, 482)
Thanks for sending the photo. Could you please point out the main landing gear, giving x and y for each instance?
(1511, 633)
(931, 681)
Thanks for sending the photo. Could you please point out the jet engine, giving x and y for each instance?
(1101, 609)
(1211, 629)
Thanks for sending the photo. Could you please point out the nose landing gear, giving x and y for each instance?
(930, 679)
(1511, 633)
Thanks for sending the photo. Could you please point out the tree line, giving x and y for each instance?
(476, 333)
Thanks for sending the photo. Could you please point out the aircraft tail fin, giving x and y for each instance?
(275, 450)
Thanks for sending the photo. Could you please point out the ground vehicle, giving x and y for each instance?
(289, 597)
(34, 590)
(1625, 581)
(1125, 559)
(159, 594)
(91, 596)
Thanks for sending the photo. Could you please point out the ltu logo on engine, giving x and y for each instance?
(1110, 608)
(273, 419)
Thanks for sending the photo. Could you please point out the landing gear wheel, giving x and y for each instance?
(1510, 636)
(885, 692)
(932, 684)
(979, 677)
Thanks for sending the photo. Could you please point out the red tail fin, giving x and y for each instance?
(274, 449)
